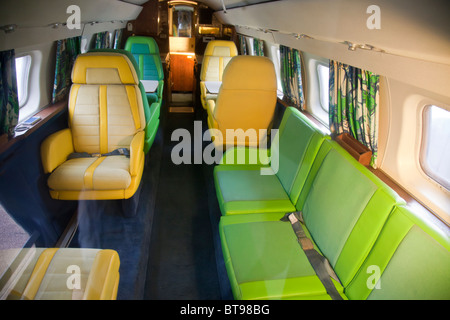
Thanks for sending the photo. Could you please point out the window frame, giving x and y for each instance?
(424, 147)
(321, 94)
(312, 88)
(24, 79)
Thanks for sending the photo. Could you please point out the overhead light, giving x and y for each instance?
(302, 36)
(9, 28)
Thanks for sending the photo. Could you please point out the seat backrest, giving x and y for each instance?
(345, 208)
(105, 103)
(218, 54)
(247, 96)
(146, 52)
(296, 148)
(410, 260)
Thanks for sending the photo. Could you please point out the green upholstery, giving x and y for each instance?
(356, 221)
(264, 260)
(243, 189)
(413, 256)
(145, 50)
(344, 209)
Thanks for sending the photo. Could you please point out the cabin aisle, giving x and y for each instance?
(182, 263)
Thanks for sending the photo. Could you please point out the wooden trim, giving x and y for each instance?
(45, 114)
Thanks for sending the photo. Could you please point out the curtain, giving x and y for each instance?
(9, 102)
(354, 99)
(258, 47)
(66, 53)
(102, 40)
(117, 38)
(242, 45)
(291, 75)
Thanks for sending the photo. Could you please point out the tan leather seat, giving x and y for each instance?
(245, 103)
(105, 114)
(216, 57)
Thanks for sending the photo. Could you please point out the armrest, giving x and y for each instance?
(55, 149)
(136, 149)
(210, 106)
(103, 279)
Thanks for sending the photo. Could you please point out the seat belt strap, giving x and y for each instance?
(319, 263)
(117, 152)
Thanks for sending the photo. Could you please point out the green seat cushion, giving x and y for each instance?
(243, 189)
(265, 261)
(411, 259)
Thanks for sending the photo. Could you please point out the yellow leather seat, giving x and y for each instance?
(67, 274)
(216, 57)
(245, 104)
(105, 114)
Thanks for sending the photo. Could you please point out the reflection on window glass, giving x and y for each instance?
(182, 18)
(22, 72)
(324, 75)
(435, 156)
(12, 238)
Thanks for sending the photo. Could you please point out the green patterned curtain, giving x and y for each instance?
(9, 102)
(102, 40)
(117, 38)
(66, 53)
(258, 47)
(291, 75)
(354, 100)
(242, 45)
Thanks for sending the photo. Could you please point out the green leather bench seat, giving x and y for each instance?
(241, 188)
(344, 208)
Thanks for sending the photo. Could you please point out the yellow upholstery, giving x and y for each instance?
(68, 274)
(245, 103)
(105, 114)
(218, 54)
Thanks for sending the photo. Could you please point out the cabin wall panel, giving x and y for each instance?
(24, 192)
(411, 28)
(403, 142)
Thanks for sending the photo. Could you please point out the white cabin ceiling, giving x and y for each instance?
(216, 5)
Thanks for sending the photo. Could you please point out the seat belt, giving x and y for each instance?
(117, 152)
(319, 263)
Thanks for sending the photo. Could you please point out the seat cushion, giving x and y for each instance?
(265, 261)
(105, 173)
(243, 189)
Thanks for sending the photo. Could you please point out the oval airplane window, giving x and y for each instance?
(22, 73)
(324, 75)
(435, 154)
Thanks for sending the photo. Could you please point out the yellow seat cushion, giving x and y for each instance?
(104, 173)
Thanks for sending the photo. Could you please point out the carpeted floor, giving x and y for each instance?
(182, 260)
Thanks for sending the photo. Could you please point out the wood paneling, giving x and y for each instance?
(182, 72)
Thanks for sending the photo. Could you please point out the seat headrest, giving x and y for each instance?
(249, 73)
(142, 45)
(104, 68)
(221, 48)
